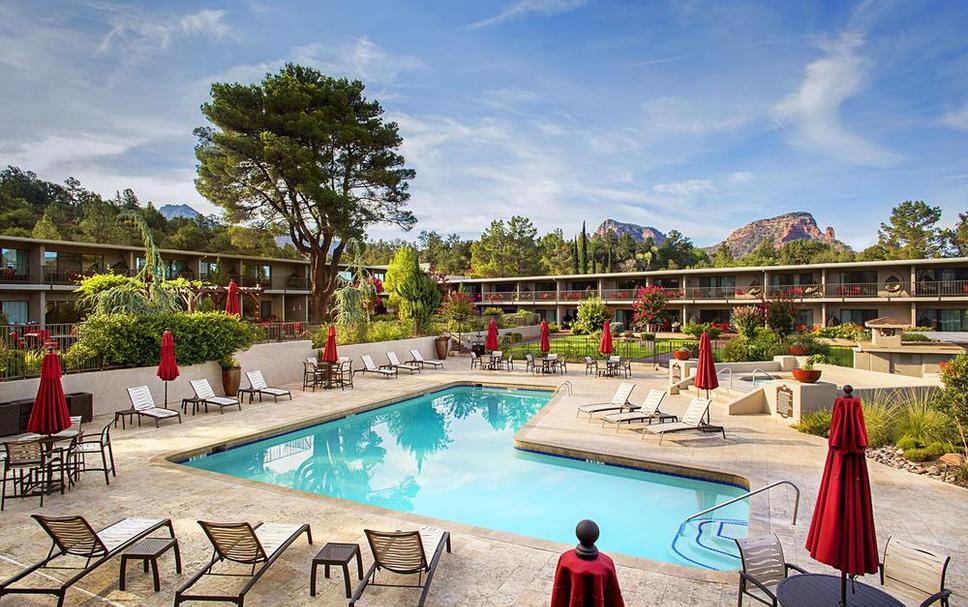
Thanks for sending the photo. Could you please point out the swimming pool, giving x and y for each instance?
(450, 455)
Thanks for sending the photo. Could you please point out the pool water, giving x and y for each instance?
(450, 455)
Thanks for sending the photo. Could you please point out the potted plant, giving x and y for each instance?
(807, 374)
(797, 350)
(231, 374)
(682, 354)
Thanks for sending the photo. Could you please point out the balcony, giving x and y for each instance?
(619, 294)
(68, 277)
(848, 290)
(802, 291)
(498, 297)
(942, 288)
(537, 296)
(577, 294)
(13, 276)
(256, 281)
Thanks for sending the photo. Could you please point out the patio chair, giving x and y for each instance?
(508, 363)
(28, 468)
(692, 420)
(616, 365)
(396, 364)
(619, 402)
(648, 412)
(913, 575)
(258, 546)
(591, 366)
(558, 364)
(143, 405)
(763, 569)
(418, 358)
(73, 536)
(97, 444)
(475, 360)
(258, 385)
(74, 430)
(404, 553)
(312, 374)
(206, 396)
(345, 374)
(530, 366)
(370, 367)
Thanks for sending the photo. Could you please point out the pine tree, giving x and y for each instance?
(574, 255)
(46, 229)
(584, 249)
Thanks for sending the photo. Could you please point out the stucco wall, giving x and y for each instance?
(280, 363)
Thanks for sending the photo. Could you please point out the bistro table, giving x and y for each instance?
(817, 590)
(328, 370)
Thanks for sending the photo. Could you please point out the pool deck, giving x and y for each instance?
(487, 568)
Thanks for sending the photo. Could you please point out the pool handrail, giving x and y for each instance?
(758, 370)
(564, 384)
(730, 369)
(796, 502)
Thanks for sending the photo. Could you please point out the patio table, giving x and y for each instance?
(817, 590)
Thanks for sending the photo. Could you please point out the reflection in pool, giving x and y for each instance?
(450, 455)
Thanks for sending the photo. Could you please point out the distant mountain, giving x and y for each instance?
(636, 231)
(780, 230)
(170, 211)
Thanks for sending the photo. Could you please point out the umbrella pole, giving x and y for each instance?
(166, 395)
(843, 589)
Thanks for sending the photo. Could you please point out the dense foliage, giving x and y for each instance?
(649, 304)
(591, 316)
(135, 340)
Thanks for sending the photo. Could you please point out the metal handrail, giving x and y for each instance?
(563, 384)
(758, 370)
(796, 502)
(730, 369)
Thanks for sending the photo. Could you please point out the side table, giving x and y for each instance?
(148, 550)
(336, 554)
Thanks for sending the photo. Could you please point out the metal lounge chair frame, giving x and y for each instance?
(647, 412)
(403, 553)
(206, 396)
(73, 535)
(370, 367)
(417, 357)
(394, 363)
(239, 543)
(619, 402)
(143, 405)
(692, 420)
(258, 385)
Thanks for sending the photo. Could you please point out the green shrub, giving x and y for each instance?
(553, 327)
(918, 419)
(492, 311)
(696, 329)
(808, 341)
(126, 339)
(844, 331)
(918, 454)
(906, 442)
(915, 337)
(881, 420)
(747, 319)
(937, 449)
(764, 346)
(591, 316)
(815, 422)
(647, 336)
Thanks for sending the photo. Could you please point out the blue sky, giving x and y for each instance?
(697, 116)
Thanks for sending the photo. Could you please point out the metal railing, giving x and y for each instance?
(941, 288)
(730, 369)
(857, 289)
(796, 502)
(561, 387)
(10, 275)
(758, 370)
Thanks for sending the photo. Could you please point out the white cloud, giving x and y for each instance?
(814, 110)
(741, 177)
(135, 34)
(681, 116)
(358, 58)
(957, 118)
(509, 98)
(684, 188)
(522, 8)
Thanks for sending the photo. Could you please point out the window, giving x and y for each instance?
(265, 310)
(716, 316)
(15, 311)
(667, 283)
(62, 312)
(857, 316)
(791, 280)
(717, 286)
(13, 264)
(944, 320)
(257, 274)
(208, 269)
(861, 276)
(805, 317)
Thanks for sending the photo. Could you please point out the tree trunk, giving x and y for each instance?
(323, 282)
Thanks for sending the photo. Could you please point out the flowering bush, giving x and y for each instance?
(747, 319)
(648, 305)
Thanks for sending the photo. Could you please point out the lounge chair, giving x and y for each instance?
(691, 420)
(370, 367)
(764, 567)
(396, 364)
(619, 402)
(143, 405)
(648, 412)
(404, 553)
(72, 536)
(913, 575)
(206, 396)
(258, 546)
(258, 385)
(418, 358)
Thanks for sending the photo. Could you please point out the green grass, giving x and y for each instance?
(576, 347)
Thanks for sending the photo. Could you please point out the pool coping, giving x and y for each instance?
(175, 462)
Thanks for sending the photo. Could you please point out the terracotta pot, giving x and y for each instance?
(682, 354)
(797, 350)
(230, 381)
(441, 345)
(806, 376)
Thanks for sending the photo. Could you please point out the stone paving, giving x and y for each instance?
(487, 568)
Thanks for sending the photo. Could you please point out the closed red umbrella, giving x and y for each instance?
(586, 577)
(842, 529)
(706, 378)
(491, 342)
(50, 414)
(233, 303)
(329, 351)
(605, 347)
(167, 365)
(545, 337)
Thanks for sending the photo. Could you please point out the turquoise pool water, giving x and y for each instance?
(450, 455)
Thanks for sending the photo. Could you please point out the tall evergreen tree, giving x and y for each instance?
(584, 249)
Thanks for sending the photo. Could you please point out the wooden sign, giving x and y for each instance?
(676, 373)
(784, 400)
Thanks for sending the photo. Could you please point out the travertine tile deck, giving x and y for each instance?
(487, 568)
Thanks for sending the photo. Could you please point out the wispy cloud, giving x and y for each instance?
(359, 58)
(136, 33)
(741, 177)
(675, 115)
(522, 8)
(688, 187)
(814, 110)
(957, 118)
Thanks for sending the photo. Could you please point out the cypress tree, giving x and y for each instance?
(574, 255)
(584, 249)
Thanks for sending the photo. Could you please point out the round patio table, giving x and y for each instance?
(816, 590)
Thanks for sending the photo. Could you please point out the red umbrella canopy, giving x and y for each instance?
(706, 369)
(50, 414)
(842, 530)
(491, 342)
(329, 351)
(233, 303)
(605, 347)
(545, 337)
(167, 365)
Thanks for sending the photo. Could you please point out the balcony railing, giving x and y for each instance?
(537, 296)
(66, 277)
(802, 291)
(619, 294)
(498, 297)
(257, 281)
(299, 283)
(12, 276)
(941, 288)
(856, 289)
